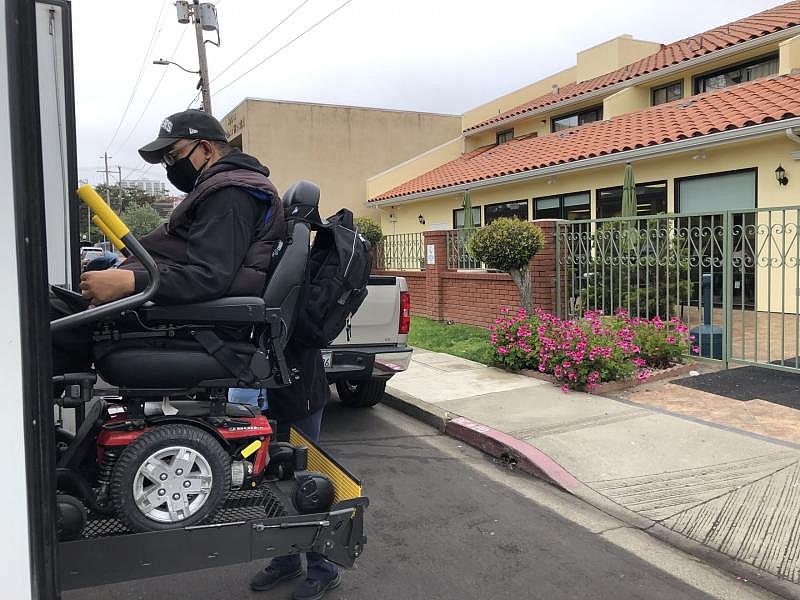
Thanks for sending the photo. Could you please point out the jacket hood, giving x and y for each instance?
(235, 160)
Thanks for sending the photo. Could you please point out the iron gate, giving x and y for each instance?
(655, 265)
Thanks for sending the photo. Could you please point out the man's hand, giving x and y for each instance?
(104, 286)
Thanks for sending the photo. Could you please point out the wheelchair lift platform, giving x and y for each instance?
(251, 525)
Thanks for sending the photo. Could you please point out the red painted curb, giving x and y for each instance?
(501, 445)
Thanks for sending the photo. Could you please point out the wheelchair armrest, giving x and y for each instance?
(238, 310)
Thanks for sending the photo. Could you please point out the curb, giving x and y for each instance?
(533, 461)
(515, 452)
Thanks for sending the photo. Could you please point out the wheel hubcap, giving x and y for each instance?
(172, 484)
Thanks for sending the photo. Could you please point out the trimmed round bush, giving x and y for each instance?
(370, 229)
(506, 244)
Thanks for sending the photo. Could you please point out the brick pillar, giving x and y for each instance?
(543, 268)
(434, 272)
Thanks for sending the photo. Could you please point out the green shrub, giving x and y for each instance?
(506, 244)
(509, 245)
(369, 229)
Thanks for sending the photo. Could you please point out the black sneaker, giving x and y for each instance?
(268, 578)
(314, 589)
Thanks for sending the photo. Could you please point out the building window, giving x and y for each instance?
(572, 207)
(667, 93)
(515, 210)
(505, 136)
(458, 217)
(734, 191)
(717, 80)
(651, 199)
(580, 118)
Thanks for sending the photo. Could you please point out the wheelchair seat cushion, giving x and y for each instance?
(162, 363)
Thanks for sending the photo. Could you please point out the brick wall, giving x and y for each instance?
(476, 297)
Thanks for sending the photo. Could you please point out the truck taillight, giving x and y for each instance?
(405, 313)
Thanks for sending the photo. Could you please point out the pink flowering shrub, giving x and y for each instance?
(586, 352)
(515, 340)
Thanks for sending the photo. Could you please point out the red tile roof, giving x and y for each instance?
(755, 26)
(760, 101)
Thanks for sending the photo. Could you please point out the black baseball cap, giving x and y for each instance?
(187, 125)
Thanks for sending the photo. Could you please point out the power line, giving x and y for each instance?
(259, 40)
(155, 90)
(150, 45)
(144, 168)
(286, 45)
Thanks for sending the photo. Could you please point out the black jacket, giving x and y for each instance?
(219, 240)
(303, 397)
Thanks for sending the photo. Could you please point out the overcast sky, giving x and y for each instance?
(442, 56)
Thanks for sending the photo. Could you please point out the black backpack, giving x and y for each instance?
(337, 274)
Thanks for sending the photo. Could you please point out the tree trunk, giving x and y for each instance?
(522, 278)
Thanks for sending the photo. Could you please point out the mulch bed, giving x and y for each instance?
(622, 384)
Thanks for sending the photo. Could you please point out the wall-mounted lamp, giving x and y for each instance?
(780, 175)
(421, 219)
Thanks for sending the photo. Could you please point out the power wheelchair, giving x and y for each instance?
(156, 446)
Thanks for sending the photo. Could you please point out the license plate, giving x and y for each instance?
(327, 359)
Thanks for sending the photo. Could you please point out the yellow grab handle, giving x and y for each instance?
(109, 234)
(87, 193)
(251, 448)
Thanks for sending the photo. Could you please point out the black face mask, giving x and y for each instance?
(183, 174)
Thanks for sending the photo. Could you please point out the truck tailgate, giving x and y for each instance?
(377, 320)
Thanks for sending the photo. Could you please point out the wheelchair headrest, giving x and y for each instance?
(301, 201)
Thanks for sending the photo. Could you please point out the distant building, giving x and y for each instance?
(336, 147)
(165, 205)
(153, 187)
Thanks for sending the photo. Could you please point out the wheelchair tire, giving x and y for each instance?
(173, 476)
(360, 393)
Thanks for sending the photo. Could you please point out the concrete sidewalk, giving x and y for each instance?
(728, 496)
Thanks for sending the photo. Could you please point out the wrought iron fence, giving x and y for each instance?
(749, 261)
(457, 255)
(401, 252)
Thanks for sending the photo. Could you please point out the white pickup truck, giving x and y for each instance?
(374, 344)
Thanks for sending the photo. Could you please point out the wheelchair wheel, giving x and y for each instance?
(172, 476)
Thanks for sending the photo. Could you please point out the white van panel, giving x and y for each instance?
(14, 543)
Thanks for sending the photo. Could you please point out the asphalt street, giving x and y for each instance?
(447, 523)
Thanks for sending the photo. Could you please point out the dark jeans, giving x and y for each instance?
(318, 567)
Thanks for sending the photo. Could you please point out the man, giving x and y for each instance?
(218, 241)
(301, 406)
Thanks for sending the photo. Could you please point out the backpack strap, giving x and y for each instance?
(224, 355)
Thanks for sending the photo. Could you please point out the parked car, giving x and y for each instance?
(89, 253)
(373, 346)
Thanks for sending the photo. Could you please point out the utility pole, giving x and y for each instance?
(105, 157)
(204, 17)
(201, 56)
(119, 188)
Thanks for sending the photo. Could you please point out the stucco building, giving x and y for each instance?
(336, 147)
